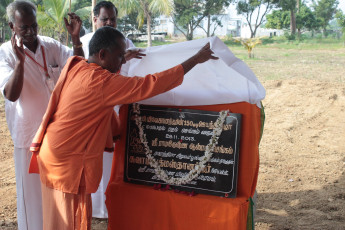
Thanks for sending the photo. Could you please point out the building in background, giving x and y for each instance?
(233, 25)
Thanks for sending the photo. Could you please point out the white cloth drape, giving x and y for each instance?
(223, 81)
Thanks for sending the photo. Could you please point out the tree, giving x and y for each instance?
(340, 16)
(127, 24)
(290, 5)
(188, 16)
(306, 19)
(93, 4)
(190, 13)
(255, 12)
(325, 11)
(249, 44)
(212, 9)
(278, 19)
(145, 9)
(50, 15)
(83, 9)
(3, 20)
(213, 22)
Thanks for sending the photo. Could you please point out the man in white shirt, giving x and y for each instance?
(30, 66)
(105, 14)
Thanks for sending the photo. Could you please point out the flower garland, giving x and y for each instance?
(160, 173)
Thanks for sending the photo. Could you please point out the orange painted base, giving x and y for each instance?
(140, 207)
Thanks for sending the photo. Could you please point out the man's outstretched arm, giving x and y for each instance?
(202, 56)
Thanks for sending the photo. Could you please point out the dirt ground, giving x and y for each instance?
(302, 153)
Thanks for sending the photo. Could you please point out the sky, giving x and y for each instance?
(342, 5)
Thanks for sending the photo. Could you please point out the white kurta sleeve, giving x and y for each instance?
(7, 64)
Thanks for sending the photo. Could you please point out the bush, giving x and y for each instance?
(268, 40)
(290, 37)
(229, 41)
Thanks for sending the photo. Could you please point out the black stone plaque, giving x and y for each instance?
(177, 139)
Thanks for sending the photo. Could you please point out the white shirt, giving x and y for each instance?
(25, 114)
(86, 41)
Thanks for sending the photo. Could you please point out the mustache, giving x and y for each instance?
(29, 35)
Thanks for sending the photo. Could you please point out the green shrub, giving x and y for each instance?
(290, 37)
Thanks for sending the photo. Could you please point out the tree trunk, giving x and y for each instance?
(3, 33)
(189, 33)
(93, 6)
(208, 25)
(252, 32)
(299, 33)
(298, 6)
(149, 40)
(293, 22)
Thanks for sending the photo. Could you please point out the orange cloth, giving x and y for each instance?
(78, 120)
(65, 211)
(132, 206)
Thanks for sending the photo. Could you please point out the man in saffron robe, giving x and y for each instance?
(79, 121)
(105, 14)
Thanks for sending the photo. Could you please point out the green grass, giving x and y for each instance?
(273, 43)
(154, 43)
(309, 44)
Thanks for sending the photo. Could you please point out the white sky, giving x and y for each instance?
(342, 5)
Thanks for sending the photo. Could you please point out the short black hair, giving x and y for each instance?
(103, 4)
(105, 37)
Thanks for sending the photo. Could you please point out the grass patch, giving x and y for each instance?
(154, 43)
(275, 42)
(272, 77)
(309, 44)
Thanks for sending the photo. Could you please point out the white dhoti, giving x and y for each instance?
(29, 199)
(99, 210)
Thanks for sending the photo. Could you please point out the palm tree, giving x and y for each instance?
(51, 14)
(249, 44)
(145, 9)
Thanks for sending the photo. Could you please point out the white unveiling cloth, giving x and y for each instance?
(224, 81)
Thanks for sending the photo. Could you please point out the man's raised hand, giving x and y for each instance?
(203, 55)
(18, 49)
(74, 24)
(134, 53)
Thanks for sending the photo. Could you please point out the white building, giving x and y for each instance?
(233, 25)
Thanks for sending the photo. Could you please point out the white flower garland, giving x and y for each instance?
(160, 173)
